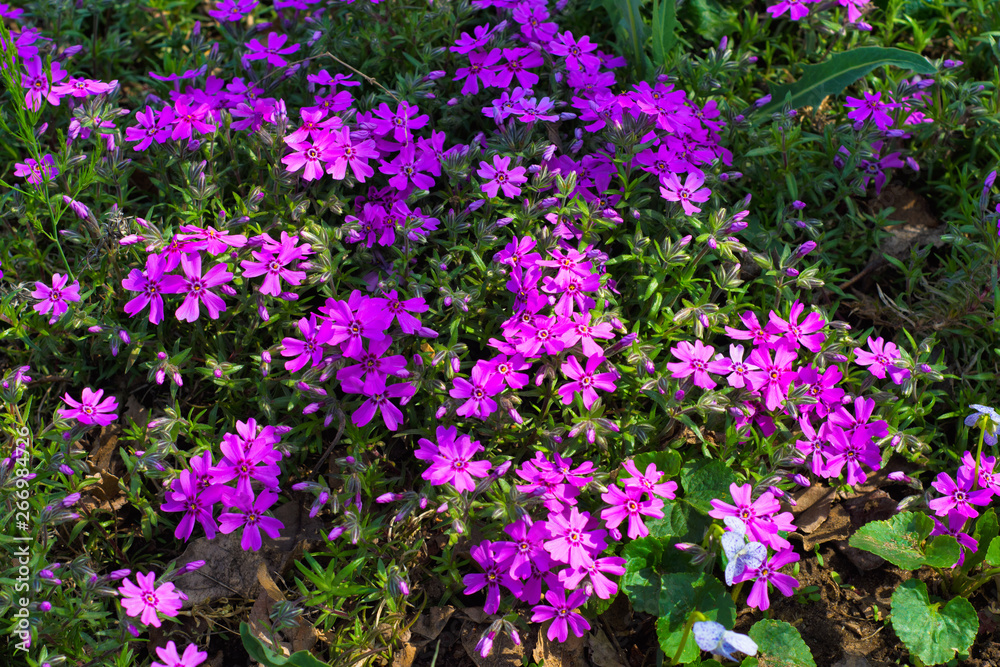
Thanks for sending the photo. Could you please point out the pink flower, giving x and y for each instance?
(768, 574)
(273, 52)
(171, 658)
(800, 333)
(315, 336)
(686, 194)
(496, 576)
(585, 381)
(90, 409)
(958, 497)
(55, 298)
(274, 266)
(796, 9)
(871, 106)
(146, 599)
(252, 519)
(478, 389)
(37, 170)
(879, 360)
(479, 69)
(773, 376)
(696, 360)
(347, 154)
(560, 610)
(572, 542)
(501, 177)
(378, 400)
(629, 504)
(453, 464)
(149, 284)
(186, 496)
(197, 288)
(754, 514)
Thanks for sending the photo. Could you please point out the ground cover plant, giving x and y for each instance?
(631, 333)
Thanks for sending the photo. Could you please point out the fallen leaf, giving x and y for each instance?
(431, 622)
(505, 652)
(812, 507)
(559, 654)
(837, 526)
(602, 653)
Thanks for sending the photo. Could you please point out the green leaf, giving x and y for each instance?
(265, 656)
(641, 581)
(704, 480)
(943, 551)
(680, 523)
(930, 631)
(840, 71)
(668, 462)
(898, 540)
(682, 593)
(986, 529)
(993, 553)
(708, 18)
(664, 29)
(779, 643)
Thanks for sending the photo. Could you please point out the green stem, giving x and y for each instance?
(692, 617)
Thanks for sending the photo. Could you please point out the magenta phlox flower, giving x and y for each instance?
(274, 51)
(880, 360)
(482, 33)
(762, 336)
(958, 496)
(494, 576)
(772, 376)
(534, 27)
(345, 153)
(152, 127)
(499, 176)
(516, 62)
(401, 310)
(541, 333)
(90, 409)
(197, 288)
(186, 496)
(245, 461)
(989, 478)
(232, 11)
(36, 81)
(573, 293)
(275, 267)
(561, 469)
(813, 445)
(648, 481)
(372, 363)
(406, 169)
(310, 348)
(508, 369)
(310, 157)
(55, 299)
(581, 331)
(696, 360)
(37, 171)
(739, 369)
(452, 462)
(805, 333)
(851, 450)
(145, 599)
(956, 522)
(480, 70)
(796, 9)
(603, 587)
(860, 420)
(518, 253)
(531, 109)
(577, 52)
(190, 118)
(871, 106)
(753, 513)
(477, 391)
(378, 395)
(569, 262)
(359, 317)
(315, 125)
(148, 284)
(251, 519)
(526, 547)
(586, 380)
(400, 122)
(215, 241)
(542, 483)
(768, 574)
(574, 541)
(823, 387)
(687, 194)
(629, 504)
(192, 657)
(560, 611)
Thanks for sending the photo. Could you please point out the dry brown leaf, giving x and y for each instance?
(431, 622)
(836, 527)
(559, 654)
(812, 507)
(602, 653)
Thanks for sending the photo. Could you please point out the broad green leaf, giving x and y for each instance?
(993, 553)
(641, 581)
(710, 19)
(779, 643)
(681, 594)
(667, 461)
(942, 551)
(932, 632)
(265, 656)
(986, 529)
(841, 70)
(664, 29)
(680, 523)
(899, 540)
(704, 480)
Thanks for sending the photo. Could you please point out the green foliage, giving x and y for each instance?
(832, 76)
(933, 632)
(705, 480)
(682, 594)
(265, 656)
(902, 540)
(779, 643)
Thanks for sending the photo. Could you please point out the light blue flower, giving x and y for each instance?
(992, 426)
(739, 554)
(714, 637)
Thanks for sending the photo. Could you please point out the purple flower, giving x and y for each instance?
(273, 52)
(802, 333)
(186, 496)
(197, 288)
(572, 542)
(146, 599)
(696, 360)
(252, 519)
(879, 360)
(500, 176)
(37, 170)
(478, 389)
(958, 497)
(55, 298)
(171, 658)
(310, 349)
(688, 193)
(274, 266)
(871, 106)
(629, 504)
(149, 284)
(560, 610)
(753, 513)
(768, 574)
(585, 381)
(494, 577)
(451, 462)
(378, 394)
(90, 409)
